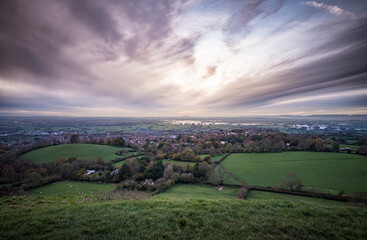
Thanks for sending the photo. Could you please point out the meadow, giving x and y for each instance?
(85, 151)
(319, 169)
(41, 217)
(188, 191)
(118, 164)
(179, 163)
(72, 188)
(185, 164)
(349, 146)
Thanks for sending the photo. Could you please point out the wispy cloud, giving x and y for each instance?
(333, 9)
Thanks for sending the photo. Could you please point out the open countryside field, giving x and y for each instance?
(188, 191)
(260, 195)
(85, 151)
(184, 164)
(320, 169)
(179, 163)
(118, 164)
(349, 146)
(72, 188)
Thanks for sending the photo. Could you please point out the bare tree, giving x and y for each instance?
(168, 171)
(292, 181)
(219, 175)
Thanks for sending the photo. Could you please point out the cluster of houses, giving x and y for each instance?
(91, 171)
(348, 150)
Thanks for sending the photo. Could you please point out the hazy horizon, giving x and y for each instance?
(183, 58)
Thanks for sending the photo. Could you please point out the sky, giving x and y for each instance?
(172, 58)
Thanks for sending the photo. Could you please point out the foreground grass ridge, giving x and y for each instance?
(66, 218)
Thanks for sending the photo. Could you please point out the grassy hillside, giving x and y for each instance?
(86, 151)
(53, 218)
(72, 188)
(327, 170)
(188, 191)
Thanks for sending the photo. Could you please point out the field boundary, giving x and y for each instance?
(304, 194)
(222, 159)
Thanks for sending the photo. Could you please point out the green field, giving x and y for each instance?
(179, 163)
(72, 188)
(85, 151)
(349, 146)
(320, 169)
(184, 164)
(260, 195)
(30, 217)
(118, 164)
(187, 191)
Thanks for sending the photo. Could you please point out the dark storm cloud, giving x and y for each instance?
(30, 40)
(95, 15)
(36, 34)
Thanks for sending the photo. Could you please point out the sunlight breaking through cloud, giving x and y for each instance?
(167, 58)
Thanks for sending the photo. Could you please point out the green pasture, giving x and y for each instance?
(84, 151)
(72, 188)
(319, 169)
(349, 146)
(260, 195)
(179, 163)
(118, 164)
(188, 191)
(47, 217)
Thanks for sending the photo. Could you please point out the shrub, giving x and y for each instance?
(243, 192)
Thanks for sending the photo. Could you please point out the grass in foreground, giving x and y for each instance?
(260, 195)
(72, 188)
(320, 169)
(85, 151)
(40, 218)
(188, 191)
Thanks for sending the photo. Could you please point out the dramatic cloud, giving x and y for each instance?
(172, 58)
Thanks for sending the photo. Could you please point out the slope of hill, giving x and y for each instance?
(73, 218)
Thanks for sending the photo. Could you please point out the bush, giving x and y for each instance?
(243, 192)
(161, 184)
(175, 176)
(129, 185)
(155, 171)
(190, 178)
